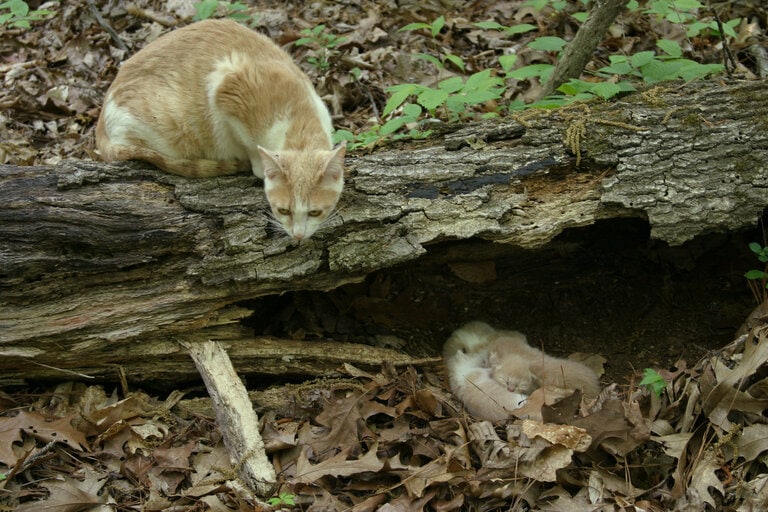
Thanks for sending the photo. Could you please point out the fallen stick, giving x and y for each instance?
(235, 416)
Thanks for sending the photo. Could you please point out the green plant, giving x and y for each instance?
(442, 58)
(323, 44)
(233, 10)
(17, 14)
(759, 275)
(283, 498)
(453, 95)
(653, 381)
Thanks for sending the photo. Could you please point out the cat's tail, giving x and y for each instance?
(199, 168)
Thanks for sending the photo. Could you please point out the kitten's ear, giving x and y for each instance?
(334, 166)
(270, 163)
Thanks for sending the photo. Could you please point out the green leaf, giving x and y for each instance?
(537, 4)
(478, 80)
(653, 381)
(755, 275)
(640, 59)
(507, 61)
(399, 93)
(205, 9)
(456, 60)
(437, 25)
(520, 28)
(429, 58)
(657, 70)
(303, 41)
(432, 98)
(755, 248)
(342, 136)
(691, 70)
(411, 111)
(606, 89)
(548, 43)
(687, 5)
(581, 17)
(414, 26)
(19, 8)
(489, 25)
(619, 66)
(451, 85)
(669, 47)
(393, 125)
(530, 71)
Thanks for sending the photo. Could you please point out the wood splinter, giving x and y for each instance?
(235, 416)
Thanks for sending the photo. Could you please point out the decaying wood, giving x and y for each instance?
(105, 266)
(235, 416)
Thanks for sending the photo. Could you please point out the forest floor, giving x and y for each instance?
(400, 441)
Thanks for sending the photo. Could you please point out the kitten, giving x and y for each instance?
(469, 338)
(215, 98)
(481, 395)
(522, 368)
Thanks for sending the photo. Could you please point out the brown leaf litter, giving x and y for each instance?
(399, 441)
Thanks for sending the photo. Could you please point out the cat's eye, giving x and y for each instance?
(315, 213)
(283, 211)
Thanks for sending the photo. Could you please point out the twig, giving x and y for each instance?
(77, 374)
(115, 37)
(235, 416)
(580, 50)
(728, 59)
(151, 16)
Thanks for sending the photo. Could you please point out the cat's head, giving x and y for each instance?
(513, 373)
(302, 187)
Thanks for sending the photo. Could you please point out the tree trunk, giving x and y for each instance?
(104, 266)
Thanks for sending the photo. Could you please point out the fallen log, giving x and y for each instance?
(106, 266)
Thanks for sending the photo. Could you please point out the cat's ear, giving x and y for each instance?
(270, 164)
(334, 166)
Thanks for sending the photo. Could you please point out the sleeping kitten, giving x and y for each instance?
(521, 367)
(481, 395)
(215, 98)
(469, 338)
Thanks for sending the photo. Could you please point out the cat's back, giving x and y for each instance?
(185, 56)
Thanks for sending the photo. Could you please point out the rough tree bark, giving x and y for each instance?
(115, 265)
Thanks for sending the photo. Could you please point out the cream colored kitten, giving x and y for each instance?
(215, 98)
(523, 368)
(482, 396)
(470, 338)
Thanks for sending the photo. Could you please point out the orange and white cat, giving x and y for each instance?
(215, 98)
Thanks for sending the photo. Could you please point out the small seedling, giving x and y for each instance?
(653, 381)
(17, 14)
(233, 10)
(323, 44)
(759, 275)
(281, 499)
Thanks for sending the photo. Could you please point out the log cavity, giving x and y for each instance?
(605, 288)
